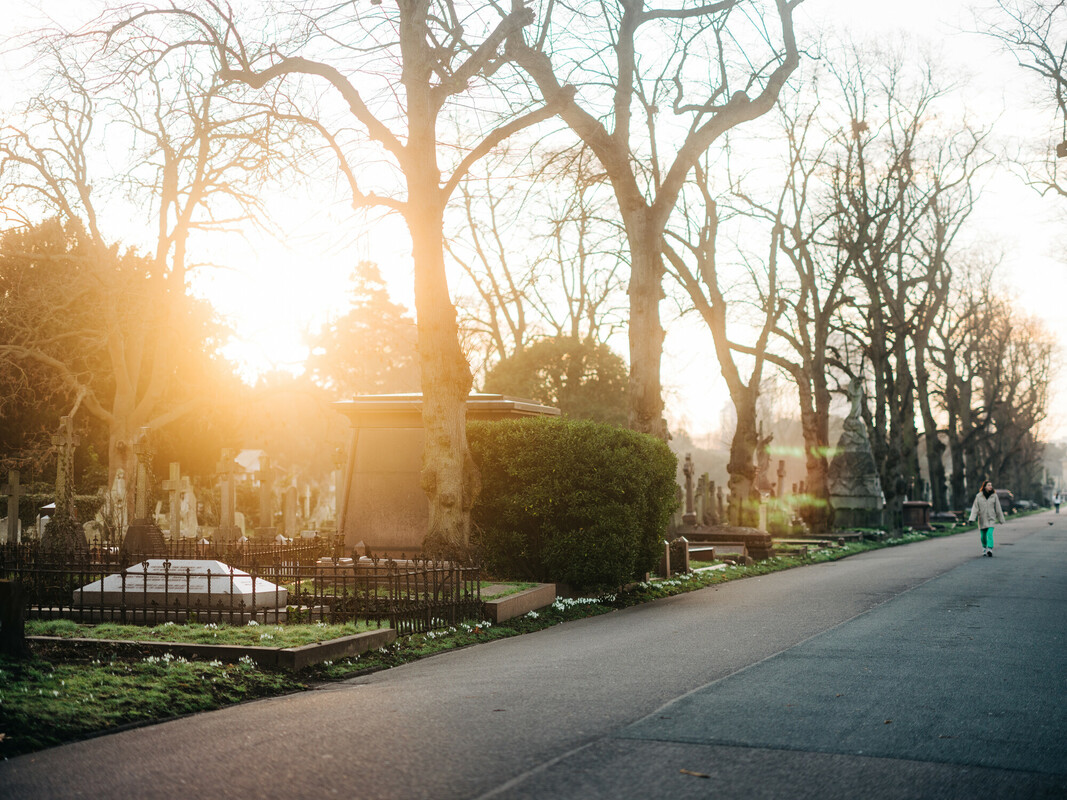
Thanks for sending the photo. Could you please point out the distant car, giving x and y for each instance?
(1025, 505)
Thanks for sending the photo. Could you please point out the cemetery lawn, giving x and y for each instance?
(45, 703)
(197, 633)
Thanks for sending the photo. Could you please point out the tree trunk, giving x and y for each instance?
(743, 505)
(449, 476)
(815, 509)
(645, 327)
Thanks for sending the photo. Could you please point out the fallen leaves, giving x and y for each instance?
(694, 774)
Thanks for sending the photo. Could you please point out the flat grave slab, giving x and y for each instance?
(187, 583)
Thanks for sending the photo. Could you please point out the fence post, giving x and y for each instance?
(12, 621)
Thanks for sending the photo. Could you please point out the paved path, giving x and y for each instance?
(919, 671)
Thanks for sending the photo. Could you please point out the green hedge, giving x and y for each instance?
(570, 501)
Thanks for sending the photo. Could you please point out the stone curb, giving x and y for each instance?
(515, 605)
(287, 658)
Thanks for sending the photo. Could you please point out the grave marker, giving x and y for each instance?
(174, 486)
(228, 488)
(12, 490)
(265, 476)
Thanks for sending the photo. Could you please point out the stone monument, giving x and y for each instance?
(211, 589)
(227, 469)
(64, 537)
(855, 490)
(12, 532)
(383, 505)
(144, 538)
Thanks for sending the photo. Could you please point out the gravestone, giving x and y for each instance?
(12, 490)
(64, 537)
(689, 517)
(182, 585)
(227, 467)
(855, 490)
(265, 476)
(174, 486)
(383, 504)
(289, 507)
(144, 538)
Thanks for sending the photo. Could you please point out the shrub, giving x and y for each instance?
(570, 501)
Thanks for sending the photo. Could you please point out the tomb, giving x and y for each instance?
(182, 585)
(383, 504)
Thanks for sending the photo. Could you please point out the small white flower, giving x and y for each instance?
(252, 623)
(532, 615)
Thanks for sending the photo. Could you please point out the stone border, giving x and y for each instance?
(515, 605)
(287, 658)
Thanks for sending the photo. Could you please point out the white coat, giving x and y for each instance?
(987, 510)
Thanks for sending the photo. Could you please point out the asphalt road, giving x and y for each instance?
(922, 671)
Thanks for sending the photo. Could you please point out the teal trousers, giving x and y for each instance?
(987, 537)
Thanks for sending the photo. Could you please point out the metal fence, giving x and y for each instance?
(268, 585)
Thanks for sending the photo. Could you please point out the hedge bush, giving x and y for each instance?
(570, 501)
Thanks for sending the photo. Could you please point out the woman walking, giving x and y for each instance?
(987, 511)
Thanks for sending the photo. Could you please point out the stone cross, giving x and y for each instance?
(290, 511)
(140, 486)
(781, 478)
(689, 517)
(11, 489)
(228, 485)
(265, 476)
(66, 441)
(175, 485)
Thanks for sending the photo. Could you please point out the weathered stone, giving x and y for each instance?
(383, 504)
(186, 584)
(855, 490)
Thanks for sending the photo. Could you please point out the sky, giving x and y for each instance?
(276, 291)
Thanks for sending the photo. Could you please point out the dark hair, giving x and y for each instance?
(991, 489)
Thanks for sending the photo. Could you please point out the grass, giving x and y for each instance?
(43, 703)
(211, 633)
(513, 587)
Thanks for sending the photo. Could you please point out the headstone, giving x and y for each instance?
(184, 584)
(143, 539)
(781, 478)
(265, 476)
(855, 490)
(690, 517)
(289, 508)
(12, 490)
(114, 513)
(763, 462)
(64, 538)
(763, 517)
(227, 530)
(174, 486)
(190, 522)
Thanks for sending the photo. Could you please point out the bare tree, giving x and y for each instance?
(904, 189)
(704, 282)
(541, 250)
(801, 222)
(1035, 31)
(191, 158)
(704, 78)
(432, 56)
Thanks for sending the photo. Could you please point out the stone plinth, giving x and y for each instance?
(758, 543)
(917, 514)
(383, 504)
(188, 583)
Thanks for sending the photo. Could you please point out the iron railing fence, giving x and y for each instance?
(412, 596)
